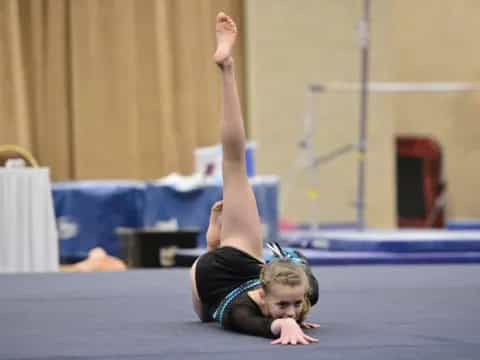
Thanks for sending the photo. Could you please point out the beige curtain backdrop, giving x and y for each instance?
(111, 88)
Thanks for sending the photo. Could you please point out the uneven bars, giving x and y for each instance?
(396, 87)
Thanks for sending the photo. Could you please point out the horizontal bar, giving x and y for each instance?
(396, 87)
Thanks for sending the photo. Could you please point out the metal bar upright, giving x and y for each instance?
(362, 133)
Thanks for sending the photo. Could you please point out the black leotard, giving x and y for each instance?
(220, 271)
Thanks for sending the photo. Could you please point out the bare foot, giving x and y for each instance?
(226, 32)
(215, 226)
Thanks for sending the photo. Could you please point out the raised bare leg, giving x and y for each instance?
(241, 226)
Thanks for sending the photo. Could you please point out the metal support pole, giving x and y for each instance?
(362, 134)
(308, 144)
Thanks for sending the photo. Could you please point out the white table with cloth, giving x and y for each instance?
(28, 234)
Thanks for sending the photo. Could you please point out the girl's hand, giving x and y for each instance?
(290, 333)
(309, 325)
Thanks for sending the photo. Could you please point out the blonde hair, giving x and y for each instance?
(286, 272)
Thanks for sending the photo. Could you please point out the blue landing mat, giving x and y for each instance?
(398, 241)
(322, 257)
(319, 257)
(464, 224)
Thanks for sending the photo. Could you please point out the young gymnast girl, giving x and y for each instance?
(231, 283)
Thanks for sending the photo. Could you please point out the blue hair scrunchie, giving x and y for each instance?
(279, 253)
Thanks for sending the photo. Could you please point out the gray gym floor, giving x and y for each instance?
(365, 312)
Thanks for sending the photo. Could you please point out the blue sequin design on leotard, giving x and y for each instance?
(219, 313)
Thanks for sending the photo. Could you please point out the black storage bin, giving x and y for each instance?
(152, 248)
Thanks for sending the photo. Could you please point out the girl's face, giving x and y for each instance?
(284, 301)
